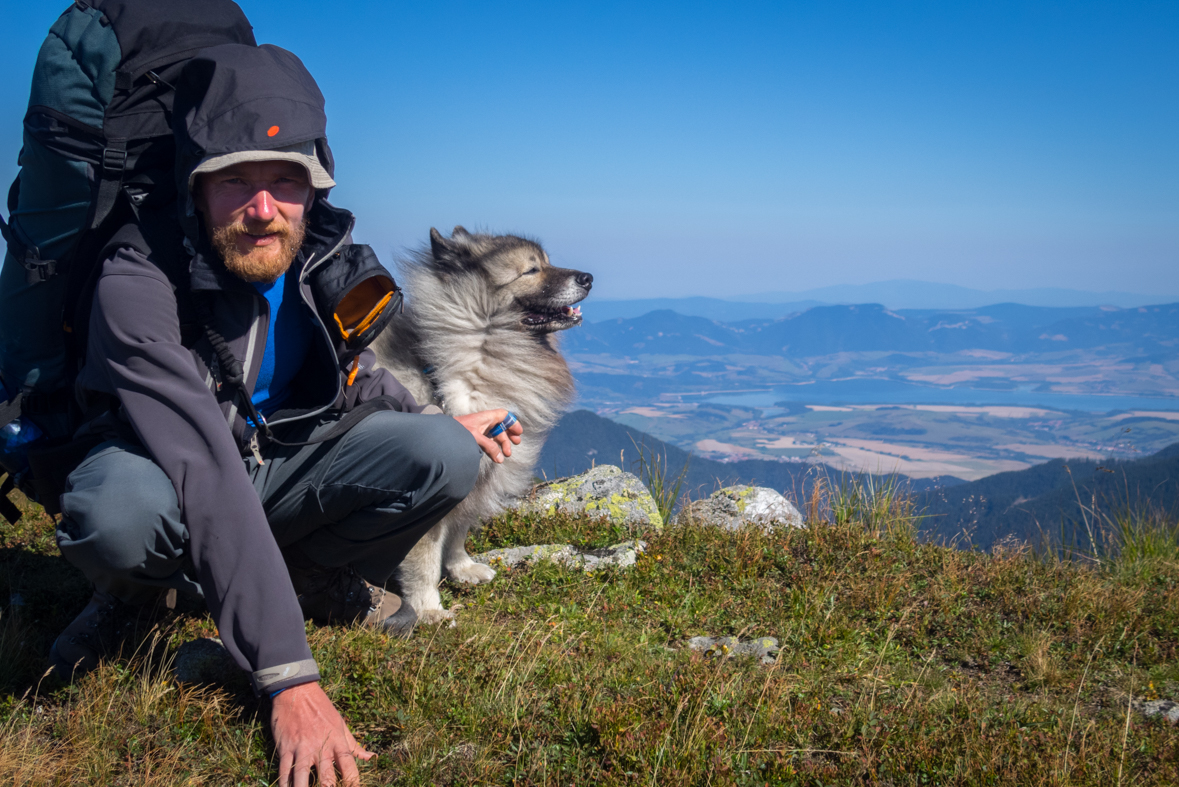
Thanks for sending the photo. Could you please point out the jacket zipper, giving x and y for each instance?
(307, 271)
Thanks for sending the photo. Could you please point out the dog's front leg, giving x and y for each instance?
(419, 574)
(457, 565)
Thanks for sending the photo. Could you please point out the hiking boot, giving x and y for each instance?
(340, 595)
(98, 632)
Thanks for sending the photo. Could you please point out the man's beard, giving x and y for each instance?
(262, 263)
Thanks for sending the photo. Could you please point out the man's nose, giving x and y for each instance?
(261, 206)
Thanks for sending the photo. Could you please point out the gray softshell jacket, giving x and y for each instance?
(150, 368)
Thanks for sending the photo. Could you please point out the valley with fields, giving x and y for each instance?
(923, 393)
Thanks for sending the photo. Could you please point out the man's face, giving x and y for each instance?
(253, 214)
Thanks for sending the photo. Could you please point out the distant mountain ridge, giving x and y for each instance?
(823, 330)
(914, 294)
(1042, 504)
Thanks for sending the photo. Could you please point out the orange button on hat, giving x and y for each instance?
(270, 132)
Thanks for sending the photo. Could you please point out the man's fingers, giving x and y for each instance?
(285, 761)
(325, 769)
(491, 448)
(302, 772)
(348, 769)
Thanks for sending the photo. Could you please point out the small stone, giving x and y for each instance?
(736, 506)
(764, 648)
(1166, 708)
(511, 557)
(205, 660)
(622, 555)
(603, 491)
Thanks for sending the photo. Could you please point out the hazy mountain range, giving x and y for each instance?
(823, 330)
(895, 294)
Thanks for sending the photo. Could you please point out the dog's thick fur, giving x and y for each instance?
(479, 333)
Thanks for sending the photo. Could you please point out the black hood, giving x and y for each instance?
(233, 98)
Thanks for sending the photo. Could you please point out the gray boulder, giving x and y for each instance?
(765, 649)
(622, 555)
(735, 506)
(603, 491)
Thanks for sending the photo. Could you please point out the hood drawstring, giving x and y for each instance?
(232, 373)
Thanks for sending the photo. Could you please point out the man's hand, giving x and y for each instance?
(496, 447)
(309, 732)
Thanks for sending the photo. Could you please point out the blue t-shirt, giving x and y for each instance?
(287, 343)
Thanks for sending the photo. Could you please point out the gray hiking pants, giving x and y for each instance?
(361, 499)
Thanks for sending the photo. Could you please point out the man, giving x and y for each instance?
(249, 450)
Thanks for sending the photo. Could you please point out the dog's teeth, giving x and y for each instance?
(566, 310)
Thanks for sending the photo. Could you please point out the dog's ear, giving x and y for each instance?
(440, 246)
(447, 254)
(459, 232)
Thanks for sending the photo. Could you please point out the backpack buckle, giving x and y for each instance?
(38, 270)
(114, 159)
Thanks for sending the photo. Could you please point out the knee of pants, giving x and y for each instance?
(429, 446)
(119, 513)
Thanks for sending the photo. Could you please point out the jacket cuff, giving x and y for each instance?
(283, 676)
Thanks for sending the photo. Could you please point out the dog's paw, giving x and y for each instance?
(431, 617)
(471, 573)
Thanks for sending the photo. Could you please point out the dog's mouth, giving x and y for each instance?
(552, 319)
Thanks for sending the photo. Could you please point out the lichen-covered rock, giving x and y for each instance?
(735, 506)
(765, 649)
(622, 555)
(205, 660)
(1166, 708)
(511, 557)
(603, 491)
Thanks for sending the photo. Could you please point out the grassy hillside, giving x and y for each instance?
(901, 663)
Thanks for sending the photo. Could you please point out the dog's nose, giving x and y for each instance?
(585, 280)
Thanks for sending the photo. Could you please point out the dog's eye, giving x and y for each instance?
(531, 271)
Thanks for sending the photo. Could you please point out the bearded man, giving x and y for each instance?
(247, 449)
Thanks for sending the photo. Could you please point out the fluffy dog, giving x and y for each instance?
(479, 333)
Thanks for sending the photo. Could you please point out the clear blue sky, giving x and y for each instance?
(728, 148)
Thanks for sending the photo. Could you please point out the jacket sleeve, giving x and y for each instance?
(372, 381)
(134, 351)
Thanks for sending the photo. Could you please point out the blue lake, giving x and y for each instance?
(891, 392)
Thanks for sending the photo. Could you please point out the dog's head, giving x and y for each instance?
(519, 276)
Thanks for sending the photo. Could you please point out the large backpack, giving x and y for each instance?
(97, 149)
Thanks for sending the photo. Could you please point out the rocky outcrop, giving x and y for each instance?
(603, 491)
(622, 555)
(736, 506)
